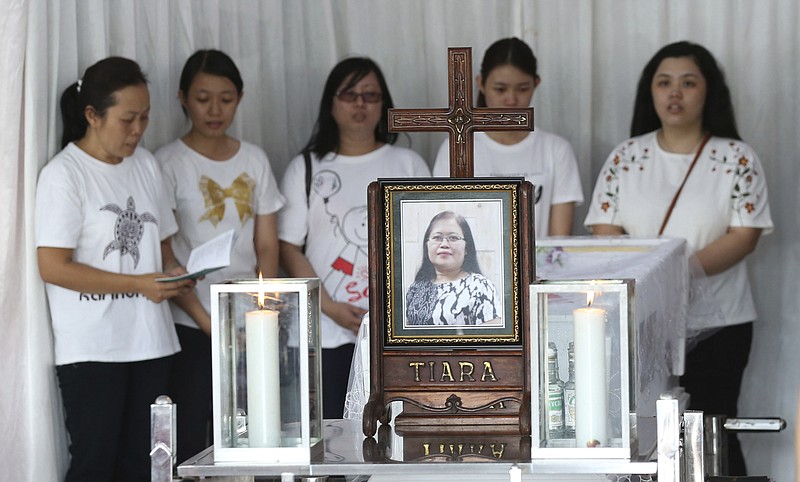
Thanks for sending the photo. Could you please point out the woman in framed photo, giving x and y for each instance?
(449, 288)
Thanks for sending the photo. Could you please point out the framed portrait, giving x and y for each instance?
(450, 262)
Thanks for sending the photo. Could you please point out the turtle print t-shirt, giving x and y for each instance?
(471, 300)
(113, 217)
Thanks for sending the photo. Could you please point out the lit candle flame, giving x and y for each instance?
(589, 298)
(260, 290)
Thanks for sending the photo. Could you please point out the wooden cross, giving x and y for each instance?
(460, 119)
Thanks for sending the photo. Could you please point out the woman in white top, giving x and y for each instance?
(215, 183)
(323, 227)
(102, 235)
(686, 173)
(509, 78)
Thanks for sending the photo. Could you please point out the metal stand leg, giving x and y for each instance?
(716, 440)
(680, 443)
(693, 445)
(669, 430)
(162, 439)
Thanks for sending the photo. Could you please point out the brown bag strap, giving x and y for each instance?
(677, 194)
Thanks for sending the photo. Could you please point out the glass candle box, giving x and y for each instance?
(266, 371)
(581, 354)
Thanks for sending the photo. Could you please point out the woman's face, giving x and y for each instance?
(507, 86)
(211, 104)
(679, 93)
(446, 246)
(117, 133)
(357, 116)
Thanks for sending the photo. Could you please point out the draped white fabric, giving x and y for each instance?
(590, 53)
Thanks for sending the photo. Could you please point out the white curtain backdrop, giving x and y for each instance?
(590, 54)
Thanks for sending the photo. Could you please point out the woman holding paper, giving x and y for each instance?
(687, 173)
(215, 183)
(102, 237)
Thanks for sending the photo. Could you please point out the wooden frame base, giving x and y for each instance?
(460, 390)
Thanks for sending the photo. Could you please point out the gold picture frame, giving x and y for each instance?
(441, 293)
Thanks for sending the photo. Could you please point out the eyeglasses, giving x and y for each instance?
(439, 239)
(368, 97)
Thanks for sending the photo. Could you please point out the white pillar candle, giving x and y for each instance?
(263, 379)
(590, 377)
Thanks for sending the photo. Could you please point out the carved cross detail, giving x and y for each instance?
(460, 119)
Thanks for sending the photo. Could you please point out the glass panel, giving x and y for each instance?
(314, 368)
(580, 368)
(229, 419)
(290, 399)
(267, 369)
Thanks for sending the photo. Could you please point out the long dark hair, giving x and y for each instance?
(213, 62)
(325, 137)
(427, 272)
(718, 117)
(507, 51)
(97, 89)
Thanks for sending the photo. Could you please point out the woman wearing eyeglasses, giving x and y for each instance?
(449, 288)
(323, 227)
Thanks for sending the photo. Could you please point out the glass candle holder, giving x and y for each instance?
(266, 371)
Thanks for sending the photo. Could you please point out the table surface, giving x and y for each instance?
(344, 445)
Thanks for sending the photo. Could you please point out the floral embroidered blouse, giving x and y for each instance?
(726, 189)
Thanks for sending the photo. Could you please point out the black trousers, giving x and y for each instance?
(190, 389)
(107, 409)
(714, 371)
(335, 374)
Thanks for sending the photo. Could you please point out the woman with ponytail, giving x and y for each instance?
(102, 235)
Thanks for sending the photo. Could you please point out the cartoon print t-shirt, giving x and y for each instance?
(113, 217)
(332, 222)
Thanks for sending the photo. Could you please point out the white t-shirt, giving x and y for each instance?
(726, 189)
(210, 197)
(544, 159)
(336, 210)
(113, 217)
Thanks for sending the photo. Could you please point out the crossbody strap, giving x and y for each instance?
(677, 194)
(307, 161)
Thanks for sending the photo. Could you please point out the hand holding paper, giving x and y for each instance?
(210, 256)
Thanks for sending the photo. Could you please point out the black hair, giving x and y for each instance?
(508, 51)
(213, 62)
(97, 89)
(718, 116)
(427, 272)
(325, 136)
